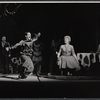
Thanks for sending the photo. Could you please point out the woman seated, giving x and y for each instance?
(67, 59)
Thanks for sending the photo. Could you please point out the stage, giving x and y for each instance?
(51, 86)
(31, 78)
(48, 78)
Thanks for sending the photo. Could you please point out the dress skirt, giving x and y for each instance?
(27, 63)
(68, 62)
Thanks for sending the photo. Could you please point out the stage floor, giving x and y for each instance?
(32, 78)
(52, 86)
(49, 78)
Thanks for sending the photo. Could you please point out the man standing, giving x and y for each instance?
(5, 54)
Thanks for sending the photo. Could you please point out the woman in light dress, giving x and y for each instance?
(67, 59)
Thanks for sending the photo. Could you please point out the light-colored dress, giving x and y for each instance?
(66, 58)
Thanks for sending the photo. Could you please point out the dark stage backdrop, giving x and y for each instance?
(80, 21)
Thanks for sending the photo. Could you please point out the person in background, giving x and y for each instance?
(26, 54)
(55, 44)
(5, 54)
(37, 58)
(67, 60)
(98, 52)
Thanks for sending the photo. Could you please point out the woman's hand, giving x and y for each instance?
(7, 48)
(57, 53)
(74, 55)
(12, 47)
(77, 61)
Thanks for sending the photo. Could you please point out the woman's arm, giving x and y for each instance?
(75, 57)
(59, 53)
(73, 54)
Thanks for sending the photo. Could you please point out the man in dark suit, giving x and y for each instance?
(5, 54)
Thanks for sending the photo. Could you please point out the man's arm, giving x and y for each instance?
(36, 37)
(17, 44)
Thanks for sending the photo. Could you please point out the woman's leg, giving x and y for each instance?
(71, 71)
(35, 67)
(63, 72)
(22, 72)
(27, 66)
(39, 68)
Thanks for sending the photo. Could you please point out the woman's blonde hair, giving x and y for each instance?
(68, 37)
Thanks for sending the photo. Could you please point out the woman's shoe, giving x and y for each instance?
(30, 74)
(19, 77)
(22, 76)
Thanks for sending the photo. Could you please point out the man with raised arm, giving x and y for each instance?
(26, 54)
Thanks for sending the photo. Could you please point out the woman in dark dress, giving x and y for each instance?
(26, 54)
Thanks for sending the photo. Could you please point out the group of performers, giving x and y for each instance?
(65, 55)
(26, 52)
